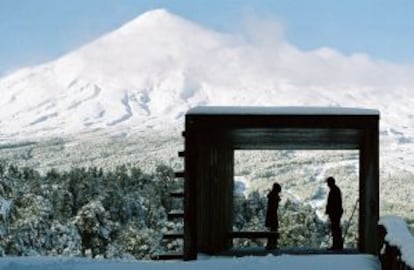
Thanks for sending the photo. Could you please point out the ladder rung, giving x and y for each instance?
(177, 193)
(183, 133)
(181, 154)
(173, 235)
(175, 214)
(179, 174)
(168, 256)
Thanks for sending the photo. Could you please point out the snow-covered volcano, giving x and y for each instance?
(148, 73)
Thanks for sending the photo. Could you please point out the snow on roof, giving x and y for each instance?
(251, 110)
(399, 236)
(310, 262)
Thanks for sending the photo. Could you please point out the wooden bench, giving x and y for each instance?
(239, 234)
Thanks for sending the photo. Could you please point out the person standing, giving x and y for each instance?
(272, 221)
(334, 211)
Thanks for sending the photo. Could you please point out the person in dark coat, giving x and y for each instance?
(272, 221)
(334, 211)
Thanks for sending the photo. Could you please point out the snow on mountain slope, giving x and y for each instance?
(148, 73)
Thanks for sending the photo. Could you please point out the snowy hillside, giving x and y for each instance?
(148, 73)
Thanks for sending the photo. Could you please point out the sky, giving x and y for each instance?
(36, 31)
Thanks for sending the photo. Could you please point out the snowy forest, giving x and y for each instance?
(122, 213)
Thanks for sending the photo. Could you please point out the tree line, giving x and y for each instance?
(119, 213)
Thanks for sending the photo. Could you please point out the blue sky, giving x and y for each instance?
(35, 31)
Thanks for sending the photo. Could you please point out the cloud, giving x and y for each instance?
(266, 50)
(263, 31)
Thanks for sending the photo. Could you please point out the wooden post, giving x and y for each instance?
(369, 191)
(215, 189)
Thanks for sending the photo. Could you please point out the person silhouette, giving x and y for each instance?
(334, 211)
(272, 221)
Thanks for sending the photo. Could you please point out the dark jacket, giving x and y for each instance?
(273, 200)
(334, 205)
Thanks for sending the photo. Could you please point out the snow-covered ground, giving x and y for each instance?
(284, 262)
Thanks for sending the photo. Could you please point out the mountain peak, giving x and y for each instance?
(156, 14)
(156, 19)
(156, 42)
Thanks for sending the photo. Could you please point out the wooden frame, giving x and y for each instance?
(213, 133)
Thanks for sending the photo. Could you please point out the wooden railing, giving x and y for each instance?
(396, 244)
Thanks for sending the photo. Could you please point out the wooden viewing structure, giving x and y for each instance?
(212, 134)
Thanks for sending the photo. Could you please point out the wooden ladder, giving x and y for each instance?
(173, 215)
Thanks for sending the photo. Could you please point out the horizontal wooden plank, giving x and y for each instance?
(255, 234)
(262, 251)
(175, 214)
(177, 193)
(179, 174)
(168, 256)
(173, 235)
